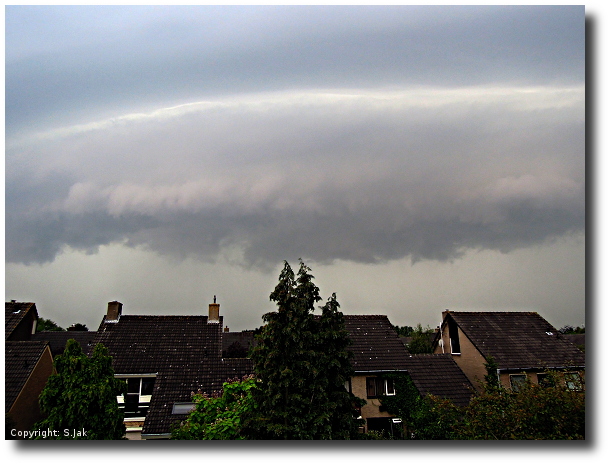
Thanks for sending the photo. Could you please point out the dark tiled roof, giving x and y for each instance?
(20, 358)
(439, 375)
(576, 339)
(178, 386)
(518, 340)
(57, 340)
(14, 312)
(245, 339)
(184, 352)
(150, 344)
(375, 344)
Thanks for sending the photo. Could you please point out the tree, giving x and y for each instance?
(78, 327)
(303, 365)
(80, 399)
(421, 341)
(403, 330)
(548, 411)
(47, 325)
(220, 415)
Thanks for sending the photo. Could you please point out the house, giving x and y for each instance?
(378, 351)
(58, 339)
(164, 359)
(20, 320)
(27, 366)
(523, 344)
(237, 344)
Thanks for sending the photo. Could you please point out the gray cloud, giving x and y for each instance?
(58, 70)
(366, 177)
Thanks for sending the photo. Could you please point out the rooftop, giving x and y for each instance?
(518, 340)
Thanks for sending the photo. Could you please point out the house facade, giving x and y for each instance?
(523, 345)
(377, 351)
(163, 360)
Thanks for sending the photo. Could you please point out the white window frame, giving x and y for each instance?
(142, 399)
(386, 391)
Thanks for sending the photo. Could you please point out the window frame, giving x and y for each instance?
(514, 385)
(379, 383)
(574, 384)
(454, 337)
(142, 398)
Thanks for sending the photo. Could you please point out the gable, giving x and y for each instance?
(517, 340)
(20, 359)
(19, 318)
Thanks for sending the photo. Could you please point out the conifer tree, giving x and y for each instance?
(302, 364)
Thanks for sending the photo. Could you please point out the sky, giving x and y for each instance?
(416, 158)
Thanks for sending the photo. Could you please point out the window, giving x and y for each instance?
(136, 401)
(545, 380)
(516, 381)
(454, 338)
(348, 385)
(573, 381)
(180, 408)
(376, 387)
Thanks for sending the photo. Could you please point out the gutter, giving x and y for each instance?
(559, 368)
(157, 436)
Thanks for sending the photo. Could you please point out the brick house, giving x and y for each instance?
(163, 360)
(27, 366)
(523, 344)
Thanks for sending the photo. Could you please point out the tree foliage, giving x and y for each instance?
(548, 411)
(82, 396)
(421, 341)
(302, 363)
(220, 415)
(423, 417)
(403, 330)
(47, 325)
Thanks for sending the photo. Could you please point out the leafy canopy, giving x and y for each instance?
(82, 396)
(220, 415)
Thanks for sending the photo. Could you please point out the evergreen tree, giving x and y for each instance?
(302, 364)
(80, 399)
(334, 357)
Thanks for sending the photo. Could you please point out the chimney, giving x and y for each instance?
(214, 312)
(114, 311)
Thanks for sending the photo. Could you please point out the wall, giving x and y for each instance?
(469, 360)
(371, 409)
(25, 410)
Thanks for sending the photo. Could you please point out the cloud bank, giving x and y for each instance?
(367, 175)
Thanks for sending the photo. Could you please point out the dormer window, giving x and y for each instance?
(454, 337)
(136, 401)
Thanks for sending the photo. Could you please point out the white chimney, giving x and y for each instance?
(214, 312)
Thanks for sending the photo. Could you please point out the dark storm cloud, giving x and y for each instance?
(66, 64)
(366, 177)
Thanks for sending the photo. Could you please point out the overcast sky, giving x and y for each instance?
(417, 159)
